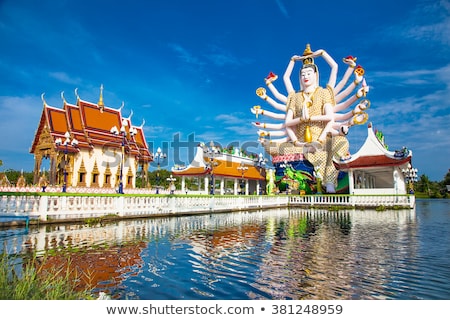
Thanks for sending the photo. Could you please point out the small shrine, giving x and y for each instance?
(374, 169)
(89, 145)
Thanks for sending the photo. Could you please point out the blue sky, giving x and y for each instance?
(190, 68)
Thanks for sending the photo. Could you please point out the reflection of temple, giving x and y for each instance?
(374, 169)
(277, 254)
(96, 159)
(96, 268)
(236, 173)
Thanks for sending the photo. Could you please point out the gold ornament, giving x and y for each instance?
(360, 118)
(359, 71)
(257, 109)
(261, 92)
(308, 135)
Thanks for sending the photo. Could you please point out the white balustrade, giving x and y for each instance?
(69, 207)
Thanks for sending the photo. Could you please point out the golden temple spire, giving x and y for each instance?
(100, 100)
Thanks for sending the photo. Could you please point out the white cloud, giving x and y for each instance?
(20, 120)
(229, 118)
(435, 29)
(282, 8)
(65, 78)
(184, 55)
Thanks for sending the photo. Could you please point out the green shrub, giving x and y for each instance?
(28, 281)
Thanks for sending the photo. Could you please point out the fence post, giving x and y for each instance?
(120, 205)
(43, 208)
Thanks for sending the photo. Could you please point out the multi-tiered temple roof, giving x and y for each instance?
(90, 124)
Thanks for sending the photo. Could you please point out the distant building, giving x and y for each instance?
(224, 167)
(89, 145)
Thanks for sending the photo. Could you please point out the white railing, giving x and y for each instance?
(76, 207)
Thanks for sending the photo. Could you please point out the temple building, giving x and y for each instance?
(89, 145)
(222, 172)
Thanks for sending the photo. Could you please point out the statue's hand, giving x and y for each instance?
(362, 106)
(261, 92)
(362, 92)
(318, 53)
(263, 141)
(259, 124)
(256, 110)
(296, 58)
(350, 61)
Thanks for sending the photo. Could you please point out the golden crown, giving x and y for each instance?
(308, 52)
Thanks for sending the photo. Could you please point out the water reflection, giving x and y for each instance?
(273, 254)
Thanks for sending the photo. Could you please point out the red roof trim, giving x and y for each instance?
(371, 161)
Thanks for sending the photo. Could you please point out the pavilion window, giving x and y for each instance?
(82, 177)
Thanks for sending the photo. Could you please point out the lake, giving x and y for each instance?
(272, 254)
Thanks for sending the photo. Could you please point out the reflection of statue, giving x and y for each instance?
(311, 116)
(270, 182)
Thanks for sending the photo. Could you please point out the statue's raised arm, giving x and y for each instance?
(333, 65)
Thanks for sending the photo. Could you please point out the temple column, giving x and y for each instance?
(183, 184)
(37, 168)
(351, 182)
(222, 186)
(144, 183)
(52, 173)
(235, 191)
(206, 184)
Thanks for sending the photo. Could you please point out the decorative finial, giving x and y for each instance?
(43, 99)
(76, 94)
(308, 52)
(100, 103)
(62, 97)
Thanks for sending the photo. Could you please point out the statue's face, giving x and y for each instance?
(308, 77)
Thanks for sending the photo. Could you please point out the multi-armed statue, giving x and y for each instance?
(313, 122)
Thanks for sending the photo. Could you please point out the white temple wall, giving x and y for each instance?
(103, 157)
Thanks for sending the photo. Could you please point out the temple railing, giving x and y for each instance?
(53, 208)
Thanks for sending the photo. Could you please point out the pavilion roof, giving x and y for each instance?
(373, 154)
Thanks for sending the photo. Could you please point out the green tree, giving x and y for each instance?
(423, 185)
(447, 178)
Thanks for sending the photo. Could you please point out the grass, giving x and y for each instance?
(29, 281)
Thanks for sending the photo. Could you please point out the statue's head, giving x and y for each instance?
(309, 74)
(309, 77)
